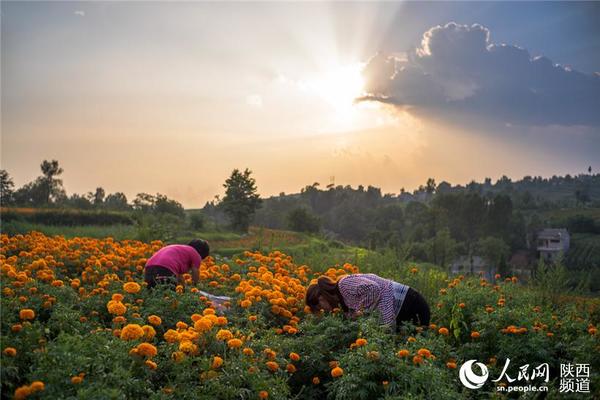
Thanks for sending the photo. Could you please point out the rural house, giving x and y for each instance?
(552, 242)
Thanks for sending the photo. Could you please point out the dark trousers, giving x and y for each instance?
(157, 275)
(414, 309)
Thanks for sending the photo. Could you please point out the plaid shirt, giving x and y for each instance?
(368, 292)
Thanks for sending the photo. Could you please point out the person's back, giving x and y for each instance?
(178, 258)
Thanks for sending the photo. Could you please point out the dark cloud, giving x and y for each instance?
(456, 69)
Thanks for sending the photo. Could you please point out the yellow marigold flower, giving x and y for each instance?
(149, 332)
(26, 314)
(132, 332)
(234, 343)
(217, 362)
(337, 372)
(263, 394)
(186, 346)
(146, 350)
(150, 364)
(361, 342)
(224, 334)
(132, 287)
(178, 356)
(154, 320)
(272, 365)
(294, 356)
(10, 351)
(411, 339)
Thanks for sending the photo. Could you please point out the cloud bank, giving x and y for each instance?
(456, 69)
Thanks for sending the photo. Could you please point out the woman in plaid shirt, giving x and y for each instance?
(358, 293)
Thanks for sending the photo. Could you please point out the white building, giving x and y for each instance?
(552, 242)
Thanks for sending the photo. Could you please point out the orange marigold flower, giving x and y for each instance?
(10, 351)
(417, 360)
(203, 324)
(171, 336)
(403, 353)
(26, 314)
(117, 297)
(217, 362)
(424, 352)
(263, 394)
(146, 350)
(316, 380)
(451, 365)
(150, 364)
(291, 368)
(22, 392)
(443, 331)
(76, 380)
(224, 334)
(149, 332)
(294, 356)
(132, 332)
(234, 343)
(116, 307)
(37, 386)
(248, 351)
(154, 320)
(272, 365)
(361, 342)
(132, 287)
(475, 334)
(337, 372)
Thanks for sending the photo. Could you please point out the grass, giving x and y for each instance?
(119, 232)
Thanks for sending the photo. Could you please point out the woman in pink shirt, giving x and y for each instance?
(170, 263)
(357, 293)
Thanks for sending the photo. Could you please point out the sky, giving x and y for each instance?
(169, 97)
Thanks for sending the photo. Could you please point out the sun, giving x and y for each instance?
(339, 86)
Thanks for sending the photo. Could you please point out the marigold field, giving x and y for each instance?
(78, 322)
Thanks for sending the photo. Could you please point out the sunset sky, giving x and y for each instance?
(171, 97)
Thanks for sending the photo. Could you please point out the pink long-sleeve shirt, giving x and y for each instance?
(368, 292)
(178, 258)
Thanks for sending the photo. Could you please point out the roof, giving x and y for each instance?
(551, 233)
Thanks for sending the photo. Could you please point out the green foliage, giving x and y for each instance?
(302, 220)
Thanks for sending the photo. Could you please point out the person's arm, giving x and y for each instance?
(195, 274)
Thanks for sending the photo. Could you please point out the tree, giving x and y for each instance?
(441, 248)
(493, 249)
(430, 186)
(241, 200)
(51, 185)
(116, 201)
(98, 197)
(6, 188)
(302, 220)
